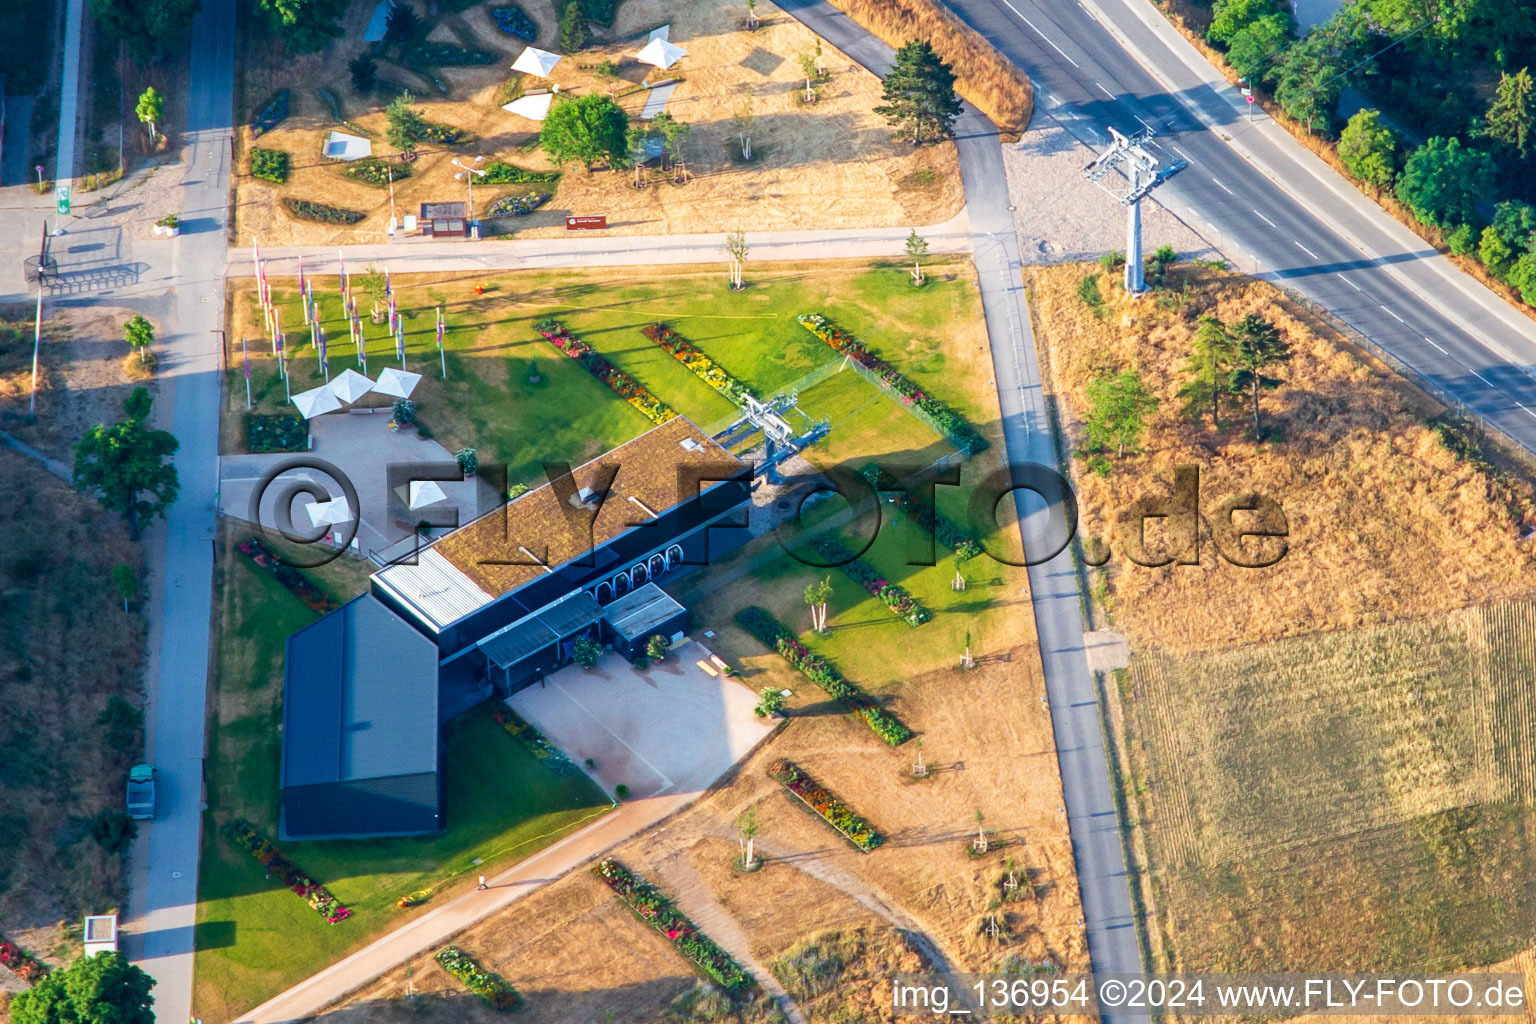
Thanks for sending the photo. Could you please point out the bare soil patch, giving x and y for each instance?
(830, 164)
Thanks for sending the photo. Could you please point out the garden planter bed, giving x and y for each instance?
(938, 415)
(308, 209)
(272, 115)
(500, 173)
(826, 806)
(26, 966)
(514, 21)
(446, 55)
(298, 584)
(516, 206)
(374, 171)
(269, 165)
(488, 985)
(243, 835)
(702, 367)
(530, 737)
(944, 529)
(282, 433)
(653, 908)
(895, 597)
(823, 673)
(621, 383)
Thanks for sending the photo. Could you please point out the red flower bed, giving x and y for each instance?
(26, 966)
(832, 810)
(652, 907)
(619, 382)
(297, 583)
(245, 836)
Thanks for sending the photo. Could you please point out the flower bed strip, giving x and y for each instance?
(619, 382)
(699, 364)
(943, 528)
(538, 745)
(938, 415)
(245, 836)
(826, 806)
(772, 634)
(894, 596)
(26, 966)
(298, 584)
(653, 908)
(488, 985)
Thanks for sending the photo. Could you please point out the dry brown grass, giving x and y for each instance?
(67, 646)
(829, 165)
(1385, 523)
(992, 83)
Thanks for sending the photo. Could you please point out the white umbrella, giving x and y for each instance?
(350, 385)
(426, 492)
(534, 61)
(328, 513)
(398, 383)
(316, 402)
(534, 108)
(661, 53)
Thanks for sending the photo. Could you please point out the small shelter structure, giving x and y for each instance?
(444, 220)
(350, 385)
(535, 106)
(341, 146)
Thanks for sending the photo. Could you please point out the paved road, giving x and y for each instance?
(425, 255)
(1096, 847)
(1271, 205)
(163, 903)
(69, 91)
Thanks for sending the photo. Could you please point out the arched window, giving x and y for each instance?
(674, 556)
(603, 592)
(656, 565)
(639, 575)
(621, 584)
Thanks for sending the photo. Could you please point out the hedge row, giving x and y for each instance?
(652, 907)
(772, 634)
(621, 383)
(308, 209)
(501, 173)
(488, 985)
(937, 523)
(894, 596)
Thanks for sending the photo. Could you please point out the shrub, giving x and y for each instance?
(113, 830)
(514, 21)
(1462, 240)
(468, 460)
(488, 985)
(403, 24)
(373, 171)
(1112, 260)
(170, 220)
(1088, 291)
(1368, 148)
(769, 702)
(586, 652)
(284, 432)
(573, 30)
(600, 11)
(271, 115)
(120, 722)
(657, 646)
(308, 209)
(499, 173)
(404, 411)
(621, 791)
(269, 165)
(1442, 181)
(447, 55)
(516, 206)
(364, 70)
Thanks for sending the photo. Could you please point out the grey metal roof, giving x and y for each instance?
(641, 610)
(359, 685)
(574, 611)
(511, 644)
(434, 587)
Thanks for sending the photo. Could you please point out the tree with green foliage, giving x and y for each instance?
(1229, 17)
(586, 652)
(1442, 181)
(587, 128)
(120, 721)
(150, 109)
(364, 69)
(101, 989)
(1118, 407)
(919, 94)
(674, 139)
(1522, 277)
(1254, 44)
(769, 702)
(917, 251)
(657, 647)
(139, 333)
(403, 24)
(746, 824)
(1256, 344)
(817, 595)
(126, 579)
(306, 25)
(1509, 236)
(574, 32)
(145, 25)
(1511, 117)
(123, 462)
(1309, 78)
(1368, 147)
(406, 125)
(1210, 370)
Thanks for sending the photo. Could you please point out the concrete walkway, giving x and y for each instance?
(69, 92)
(422, 255)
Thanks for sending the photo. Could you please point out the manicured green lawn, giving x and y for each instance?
(488, 402)
(255, 939)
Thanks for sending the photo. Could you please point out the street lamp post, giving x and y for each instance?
(468, 171)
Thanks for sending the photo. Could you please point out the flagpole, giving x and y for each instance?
(441, 355)
(247, 357)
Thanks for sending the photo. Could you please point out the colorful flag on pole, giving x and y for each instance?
(325, 360)
(387, 289)
(400, 346)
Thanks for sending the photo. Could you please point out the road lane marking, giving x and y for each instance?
(1105, 91)
(1181, 153)
(1265, 219)
(1432, 342)
(1394, 316)
(1528, 412)
(1309, 252)
(1042, 35)
(1224, 187)
(1353, 285)
(1480, 377)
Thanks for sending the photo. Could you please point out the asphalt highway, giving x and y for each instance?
(1270, 206)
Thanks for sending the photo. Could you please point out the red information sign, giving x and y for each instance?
(585, 223)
